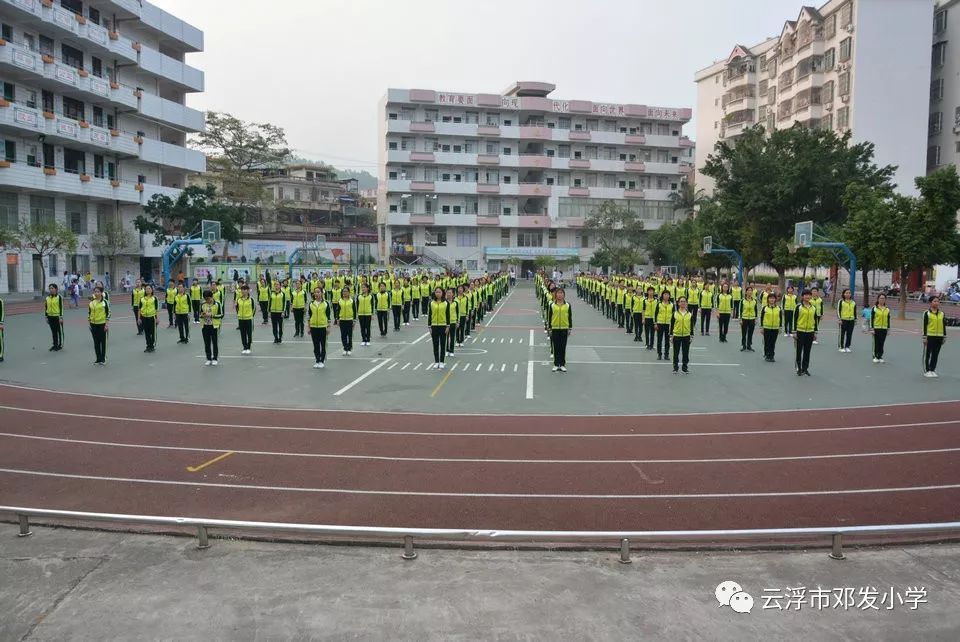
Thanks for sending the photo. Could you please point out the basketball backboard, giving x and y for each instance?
(210, 231)
(707, 244)
(803, 234)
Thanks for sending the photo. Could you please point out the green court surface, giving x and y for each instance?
(503, 368)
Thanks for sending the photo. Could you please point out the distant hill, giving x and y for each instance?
(365, 178)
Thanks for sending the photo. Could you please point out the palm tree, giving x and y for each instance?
(688, 198)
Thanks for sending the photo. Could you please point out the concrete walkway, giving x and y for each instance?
(64, 584)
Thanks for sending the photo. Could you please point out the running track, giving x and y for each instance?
(896, 464)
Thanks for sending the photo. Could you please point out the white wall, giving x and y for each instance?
(891, 100)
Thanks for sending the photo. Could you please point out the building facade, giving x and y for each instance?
(944, 123)
(470, 180)
(858, 65)
(94, 123)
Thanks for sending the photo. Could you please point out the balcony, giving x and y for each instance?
(535, 160)
(635, 139)
(422, 157)
(27, 121)
(536, 133)
(167, 154)
(488, 159)
(488, 130)
(488, 188)
(22, 176)
(633, 193)
(578, 191)
(18, 62)
(422, 219)
(490, 219)
(579, 163)
(535, 189)
(189, 37)
(426, 127)
(422, 186)
(187, 78)
(168, 112)
(579, 135)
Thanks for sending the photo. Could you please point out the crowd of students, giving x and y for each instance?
(452, 304)
(662, 313)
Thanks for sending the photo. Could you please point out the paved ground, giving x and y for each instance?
(503, 368)
(63, 584)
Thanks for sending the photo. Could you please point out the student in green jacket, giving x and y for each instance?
(879, 326)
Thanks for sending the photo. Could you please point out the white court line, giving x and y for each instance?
(466, 366)
(409, 493)
(643, 363)
(307, 358)
(454, 367)
(483, 340)
(511, 339)
(479, 365)
(530, 378)
(420, 338)
(515, 366)
(476, 460)
(503, 367)
(197, 424)
(490, 369)
(361, 378)
(418, 365)
(393, 365)
(407, 365)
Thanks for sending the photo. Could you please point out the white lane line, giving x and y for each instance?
(515, 366)
(254, 357)
(420, 338)
(503, 367)
(643, 363)
(484, 340)
(196, 424)
(418, 365)
(530, 378)
(511, 341)
(531, 337)
(499, 307)
(393, 365)
(490, 369)
(357, 491)
(407, 365)
(361, 378)
(454, 367)
(479, 365)
(474, 340)
(478, 460)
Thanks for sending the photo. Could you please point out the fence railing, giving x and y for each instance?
(408, 535)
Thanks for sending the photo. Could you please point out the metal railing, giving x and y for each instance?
(623, 538)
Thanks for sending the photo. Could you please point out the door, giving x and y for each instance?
(13, 274)
(37, 273)
(526, 267)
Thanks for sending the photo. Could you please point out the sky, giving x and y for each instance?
(318, 68)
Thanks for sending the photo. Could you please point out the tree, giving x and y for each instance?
(620, 236)
(687, 199)
(871, 230)
(926, 226)
(8, 237)
(164, 217)
(112, 241)
(236, 152)
(45, 238)
(766, 184)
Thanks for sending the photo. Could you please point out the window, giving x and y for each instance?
(933, 156)
(467, 237)
(763, 87)
(827, 92)
(845, 45)
(407, 143)
(445, 148)
(73, 108)
(763, 62)
(77, 216)
(584, 240)
(296, 193)
(936, 90)
(457, 149)
(472, 118)
(6, 32)
(844, 81)
(563, 123)
(98, 116)
(456, 209)
(958, 147)
(827, 122)
(46, 45)
(71, 56)
(563, 151)
(846, 14)
(431, 115)
(392, 176)
(935, 124)
(939, 54)
(843, 118)
(786, 79)
(830, 26)
(446, 119)
(9, 217)
(493, 119)
(8, 91)
(435, 238)
(529, 239)
(956, 117)
(10, 151)
(829, 58)
(940, 21)
(96, 66)
(41, 210)
(593, 124)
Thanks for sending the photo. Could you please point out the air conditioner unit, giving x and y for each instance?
(845, 99)
(828, 106)
(849, 28)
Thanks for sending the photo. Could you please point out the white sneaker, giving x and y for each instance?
(881, 360)
(934, 374)
(321, 365)
(554, 368)
(875, 360)
(927, 374)
(208, 363)
(316, 366)
(841, 350)
(443, 366)
(406, 324)
(435, 366)
(563, 368)
(816, 343)
(345, 353)
(449, 354)
(349, 352)
(215, 362)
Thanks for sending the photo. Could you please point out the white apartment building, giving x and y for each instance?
(93, 122)
(859, 65)
(472, 179)
(944, 124)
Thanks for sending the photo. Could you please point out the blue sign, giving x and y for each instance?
(496, 252)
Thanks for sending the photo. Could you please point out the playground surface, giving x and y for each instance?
(495, 441)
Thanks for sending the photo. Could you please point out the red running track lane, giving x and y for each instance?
(894, 464)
